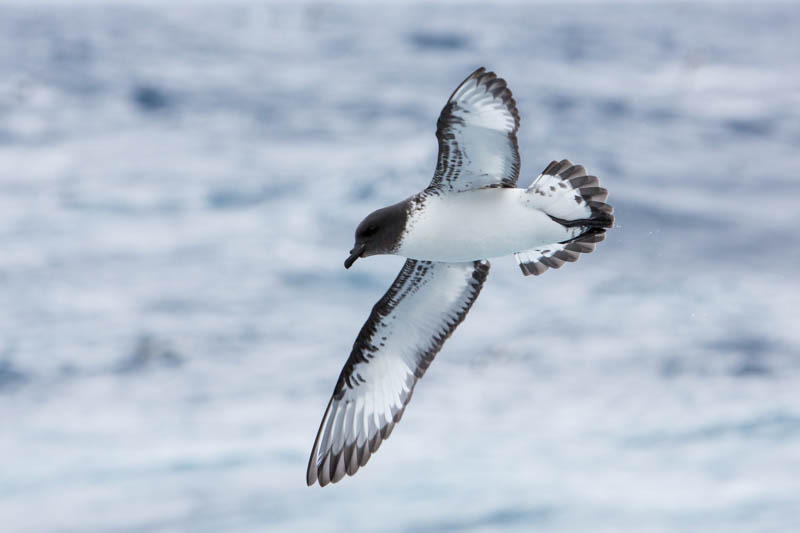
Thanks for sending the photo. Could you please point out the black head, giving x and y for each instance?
(379, 233)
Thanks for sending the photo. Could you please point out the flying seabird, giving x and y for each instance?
(472, 210)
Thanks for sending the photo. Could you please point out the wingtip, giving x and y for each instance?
(311, 473)
(314, 473)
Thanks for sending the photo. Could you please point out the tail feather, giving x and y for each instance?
(566, 193)
(538, 260)
(573, 199)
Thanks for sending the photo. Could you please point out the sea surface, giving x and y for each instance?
(179, 185)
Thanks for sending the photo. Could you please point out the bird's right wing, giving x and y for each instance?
(477, 133)
(404, 332)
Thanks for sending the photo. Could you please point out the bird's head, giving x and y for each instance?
(379, 233)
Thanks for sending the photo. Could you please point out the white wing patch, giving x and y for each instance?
(404, 332)
(477, 133)
(483, 100)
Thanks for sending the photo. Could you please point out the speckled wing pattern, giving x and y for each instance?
(404, 332)
(477, 133)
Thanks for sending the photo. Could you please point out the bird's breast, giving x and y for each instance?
(473, 225)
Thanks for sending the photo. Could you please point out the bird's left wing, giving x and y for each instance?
(477, 134)
(404, 332)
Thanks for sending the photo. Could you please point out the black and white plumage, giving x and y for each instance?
(405, 330)
(472, 210)
(477, 134)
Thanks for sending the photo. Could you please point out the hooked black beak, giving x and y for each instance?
(355, 253)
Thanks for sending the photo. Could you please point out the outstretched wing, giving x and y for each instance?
(477, 133)
(404, 332)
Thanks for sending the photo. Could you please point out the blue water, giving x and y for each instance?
(178, 189)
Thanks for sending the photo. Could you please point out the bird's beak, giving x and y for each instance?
(355, 253)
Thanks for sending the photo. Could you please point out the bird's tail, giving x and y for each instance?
(575, 200)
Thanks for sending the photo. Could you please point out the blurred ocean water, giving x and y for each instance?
(178, 189)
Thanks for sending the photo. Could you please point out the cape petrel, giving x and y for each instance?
(472, 210)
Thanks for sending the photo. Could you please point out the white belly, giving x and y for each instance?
(480, 224)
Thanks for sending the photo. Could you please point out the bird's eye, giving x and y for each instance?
(369, 230)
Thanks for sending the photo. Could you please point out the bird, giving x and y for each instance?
(471, 211)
